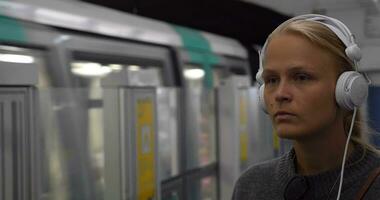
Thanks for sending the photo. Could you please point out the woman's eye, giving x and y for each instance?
(302, 77)
(271, 80)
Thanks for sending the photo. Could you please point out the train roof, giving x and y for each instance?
(87, 17)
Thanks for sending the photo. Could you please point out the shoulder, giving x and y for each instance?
(259, 171)
(374, 190)
(256, 180)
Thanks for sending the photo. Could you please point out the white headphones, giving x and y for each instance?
(351, 87)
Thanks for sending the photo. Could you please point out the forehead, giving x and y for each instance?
(289, 50)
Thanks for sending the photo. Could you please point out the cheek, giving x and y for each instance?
(269, 102)
(319, 107)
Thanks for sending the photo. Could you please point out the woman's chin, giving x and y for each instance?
(294, 134)
(289, 133)
(288, 136)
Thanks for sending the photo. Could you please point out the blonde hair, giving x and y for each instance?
(326, 39)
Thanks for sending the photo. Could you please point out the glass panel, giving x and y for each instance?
(96, 148)
(72, 124)
(263, 143)
(172, 190)
(204, 188)
(217, 74)
(207, 135)
(72, 144)
(168, 132)
(137, 75)
(201, 130)
(145, 76)
(208, 188)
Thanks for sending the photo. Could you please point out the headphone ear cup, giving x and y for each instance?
(261, 98)
(351, 90)
(258, 77)
(353, 52)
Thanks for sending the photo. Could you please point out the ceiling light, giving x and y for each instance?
(14, 58)
(194, 73)
(115, 67)
(90, 69)
(134, 67)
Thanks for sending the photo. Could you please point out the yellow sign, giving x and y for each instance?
(146, 177)
(243, 123)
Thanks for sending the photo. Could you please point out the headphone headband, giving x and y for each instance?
(336, 26)
(352, 51)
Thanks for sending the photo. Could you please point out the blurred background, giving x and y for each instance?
(138, 99)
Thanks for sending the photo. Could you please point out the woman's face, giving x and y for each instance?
(300, 80)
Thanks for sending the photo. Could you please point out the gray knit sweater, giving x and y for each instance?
(269, 180)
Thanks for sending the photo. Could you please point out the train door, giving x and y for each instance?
(246, 135)
(169, 142)
(131, 143)
(237, 84)
(140, 67)
(18, 78)
(233, 116)
(263, 142)
(88, 116)
(202, 74)
(242, 125)
(197, 178)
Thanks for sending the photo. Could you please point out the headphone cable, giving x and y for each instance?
(345, 153)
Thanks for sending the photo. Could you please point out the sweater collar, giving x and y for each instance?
(360, 161)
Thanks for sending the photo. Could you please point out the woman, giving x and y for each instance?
(302, 61)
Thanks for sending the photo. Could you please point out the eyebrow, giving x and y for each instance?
(268, 71)
(292, 69)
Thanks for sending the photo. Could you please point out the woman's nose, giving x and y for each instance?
(283, 92)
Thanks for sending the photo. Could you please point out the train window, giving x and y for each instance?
(77, 111)
(203, 188)
(218, 75)
(142, 76)
(139, 72)
(53, 127)
(26, 56)
(137, 75)
(72, 151)
(195, 75)
(208, 188)
(201, 121)
(167, 105)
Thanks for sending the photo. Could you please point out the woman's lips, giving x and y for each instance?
(282, 115)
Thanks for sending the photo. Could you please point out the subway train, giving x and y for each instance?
(99, 104)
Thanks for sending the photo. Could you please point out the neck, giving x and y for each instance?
(321, 154)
